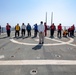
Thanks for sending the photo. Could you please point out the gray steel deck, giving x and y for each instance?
(27, 57)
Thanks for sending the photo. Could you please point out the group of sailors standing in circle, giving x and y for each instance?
(42, 30)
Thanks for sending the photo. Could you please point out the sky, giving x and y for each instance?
(34, 11)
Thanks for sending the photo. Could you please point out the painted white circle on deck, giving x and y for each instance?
(60, 42)
(36, 39)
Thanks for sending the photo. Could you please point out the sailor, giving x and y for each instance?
(52, 28)
(0, 29)
(59, 30)
(23, 29)
(45, 29)
(72, 30)
(41, 29)
(69, 31)
(28, 29)
(8, 27)
(35, 30)
(17, 29)
(65, 33)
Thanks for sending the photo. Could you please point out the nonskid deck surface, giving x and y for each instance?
(24, 56)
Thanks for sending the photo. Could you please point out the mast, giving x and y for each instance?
(46, 18)
(51, 21)
(51, 18)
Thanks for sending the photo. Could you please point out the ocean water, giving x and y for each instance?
(3, 29)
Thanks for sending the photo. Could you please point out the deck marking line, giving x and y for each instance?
(38, 62)
(62, 43)
(14, 41)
